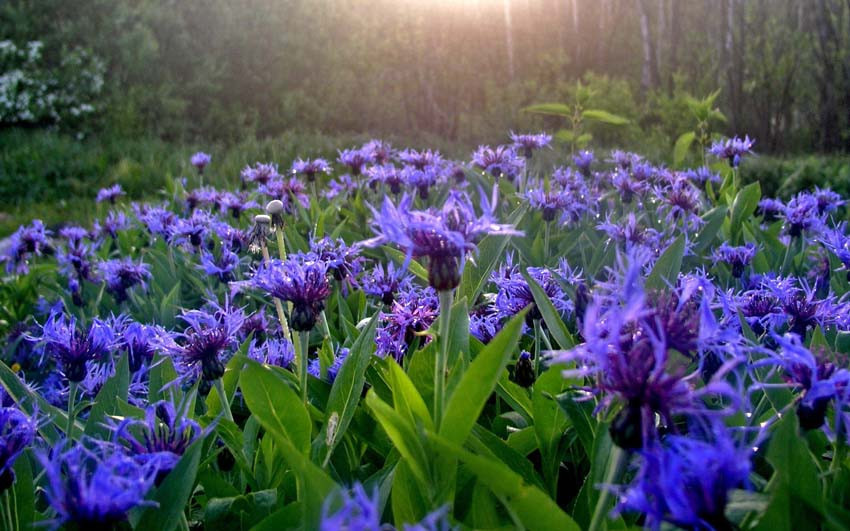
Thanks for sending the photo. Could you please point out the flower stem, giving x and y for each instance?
(546, 229)
(303, 347)
(615, 466)
(537, 353)
(222, 396)
(72, 393)
(278, 306)
(281, 245)
(442, 362)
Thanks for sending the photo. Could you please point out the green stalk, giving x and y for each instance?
(303, 347)
(278, 306)
(326, 329)
(440, 367)
(225, 404)
(546, 228)
(537, 353)
(615, 466)
(281, 246)
(72, 393)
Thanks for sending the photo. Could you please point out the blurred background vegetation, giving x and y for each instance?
(124, 90)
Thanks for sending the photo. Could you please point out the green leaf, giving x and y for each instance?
(276, 405)
(744, 207)
(683, 145)
(106, 401)
(403, 435)
(549, 422)
(604, 117)
(665, 273)
(553, 109)
(174, 492)
(24, 491)
(413, 266)
(406, 399)
(531, 506)
(710, 230)
(347, 387)
(553, 320)
(30, 402)
(477, 384)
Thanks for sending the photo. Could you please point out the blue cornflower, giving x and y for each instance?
(685, 481)
(138, 340)
(838, 243)
(501, 161)
(163, 435)
(157, 220)
(73, 348)
(201, 348)
(384, 282)
(192, 230)
(421, 160)
(200, 160)
(309, 168)
(738, 257)
(771, 209)
(221, 267)
(354, 509)
(413, 311)
(732, 149)
(260, 173)
(420, 180)
(379, 151)
(26, 242)
(355, 159)
(344, 185)
(802, 214)
(514, 294)
(828, 201)
(277, 352)
(288, 191)
(17, 432)
(583, 160)
(550, 203)
(315, 368)
(236, 204)
(627, 186)
(95, 488)
(111, 225)
(203, 196)
(303, 283)
(109, 194)
(445, 236)
(385, 174)
(682, 201)
(123, 274)
(624, 159)
(344, 262)
(485, 324)
(630, 232)
(529, 143)
(702, 175)
(76, 259)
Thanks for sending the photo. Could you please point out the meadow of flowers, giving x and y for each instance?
(395, 340)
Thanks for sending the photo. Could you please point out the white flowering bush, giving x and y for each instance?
(35, 89)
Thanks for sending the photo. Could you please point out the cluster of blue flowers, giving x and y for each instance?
(677, 335)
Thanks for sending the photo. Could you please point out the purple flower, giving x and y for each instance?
(310, 168)
(200, 160)
(260, 173)
(702, 175)
(109, 194)
(192, 230)
(288, 191)
(379, 152)
(236, 204)
(162, 436)
(624, 159)
(122, 274)
(277, 352)
(732, 149)
(303, 283)
(413, 311)
(421, 180)
(550, 203)
(157, 220)
(315, 368)
(738, 257)
(685, 480)
(112, 224)
(499, 162)
(138, 340)
(445, 236)
(628, 186)
(529, 143)
(96, 487)
(583, 160)
(344, 185)
(77, 260)
(355, 159)
(828, 201)
(205, 195)
(421, 160)
(73, 348)
(514, 293)
(385, 174)
(802, 214)
(484, 325)
(344, 262)
(200, 349)
(384, 283)
(26, 242)
(838, 244)
(17, 432)
(682, 202)
(354, 509)
(221, 267)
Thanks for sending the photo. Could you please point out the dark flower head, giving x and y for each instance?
(76, 260)
(737, 257)
(499, 162)
(732, 149)
(303, 283)
(192, 231)
(209, 337)
(804, 309)
(221, 267)
(685, 481)
(385, 174)
(355, 159)
(200, 160)
(162, 436)
(421, 160)
(628, 186)
(310, 168)
(122, 274)
(682, 202)
(277, 352)
(802, 214)
(260, 173)
(73, 348)
(583, 160)
(109, 194)
(17, 432)
(95, 488)
(445, 236)
(529, 143)
(27, 241)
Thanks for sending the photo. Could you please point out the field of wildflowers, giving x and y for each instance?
(396, 340)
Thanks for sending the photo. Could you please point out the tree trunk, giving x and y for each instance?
(509, 39)
(675, 38)
(649, 73)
